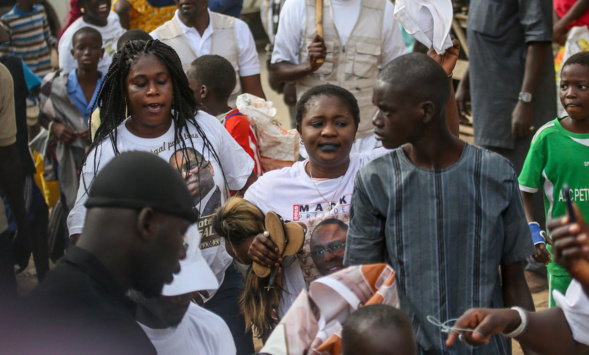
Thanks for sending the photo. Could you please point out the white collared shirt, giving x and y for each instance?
(201, 45)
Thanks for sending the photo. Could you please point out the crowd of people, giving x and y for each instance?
(389, 235)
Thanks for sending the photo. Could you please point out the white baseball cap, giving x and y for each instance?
(195, 273)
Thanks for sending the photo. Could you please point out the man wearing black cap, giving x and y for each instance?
(138, 212)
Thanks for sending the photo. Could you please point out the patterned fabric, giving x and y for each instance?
(444, 232)
(300, 331)
(148, 18)
(30, 38)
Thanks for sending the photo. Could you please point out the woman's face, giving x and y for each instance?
(239, 251)
(149, 95)
(328, 130)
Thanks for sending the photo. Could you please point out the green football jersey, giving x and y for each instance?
(558, 157)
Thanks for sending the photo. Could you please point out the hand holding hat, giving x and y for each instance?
(279, 240)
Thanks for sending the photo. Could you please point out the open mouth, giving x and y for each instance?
(155, 108)
(103, 9)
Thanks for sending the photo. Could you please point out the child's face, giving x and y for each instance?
(574, 91)
(149, 92)
(398, 117)
(96, 9)
(87, 51)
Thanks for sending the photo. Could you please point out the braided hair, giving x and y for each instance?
(113, 103)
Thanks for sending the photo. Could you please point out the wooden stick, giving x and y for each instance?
(319, 22)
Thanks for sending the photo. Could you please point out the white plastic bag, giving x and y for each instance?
(278, 146)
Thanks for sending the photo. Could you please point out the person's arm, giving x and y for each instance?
(560, 27)
(542, 255)
(448, 62)
(522, 118)
(285, 71)
(514, 287)
(250, 180)
(463, 97)
(366, 241)
(252, 85)
(123, 9)
(547, 332)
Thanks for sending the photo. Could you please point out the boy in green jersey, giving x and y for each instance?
(559, 154)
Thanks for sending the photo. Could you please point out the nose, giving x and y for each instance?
(152, 89)
(377, 120)
(329, 130)
(570, 92)
(329, 255)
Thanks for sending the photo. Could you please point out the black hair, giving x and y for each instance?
(216, 73)
(419, 77)
(87, 30)
(113, 103)
(378, 316)
(335, 221)
(581, 58)
(307, 99)
(132, 35)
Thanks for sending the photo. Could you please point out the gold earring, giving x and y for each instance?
(82, 10)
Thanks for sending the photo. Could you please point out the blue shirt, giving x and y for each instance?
(76, 94)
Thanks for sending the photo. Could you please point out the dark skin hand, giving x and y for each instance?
(63, 133)
(571, 246)
(264, 251)
(285, 71)
(547, 332)
(541, 255)
(463, 97)
(522, 118)
(448, 62)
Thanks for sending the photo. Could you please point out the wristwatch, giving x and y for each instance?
(525, 97)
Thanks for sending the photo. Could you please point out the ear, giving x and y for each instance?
(145, 223)
(427, 109)
(299, 130)
(204, 91)
(72, 51)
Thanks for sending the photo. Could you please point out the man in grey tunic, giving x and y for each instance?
(511, 76)
(443, 213)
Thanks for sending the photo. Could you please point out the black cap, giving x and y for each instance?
(136, 180)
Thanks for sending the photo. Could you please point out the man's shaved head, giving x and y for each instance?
(419, 77)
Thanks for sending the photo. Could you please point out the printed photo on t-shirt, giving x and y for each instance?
(199, 175)
(324, 246)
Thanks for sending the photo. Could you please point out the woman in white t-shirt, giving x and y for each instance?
(313, 190)
(146, 81)
(95, 14)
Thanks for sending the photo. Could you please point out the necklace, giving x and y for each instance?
(319, 192)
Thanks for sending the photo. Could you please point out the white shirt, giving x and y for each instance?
(291, 29)
(248, 55)
(290, 193)
(110, 36)
(199, 332)
(575, 306)
(236, 163)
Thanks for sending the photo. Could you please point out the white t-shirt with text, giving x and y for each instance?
(236, 166)
(290, 192)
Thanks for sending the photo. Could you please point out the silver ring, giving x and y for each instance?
(461, 338)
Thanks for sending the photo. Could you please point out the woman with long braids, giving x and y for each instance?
(146, 104)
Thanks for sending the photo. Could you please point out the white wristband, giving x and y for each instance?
(522, 326)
